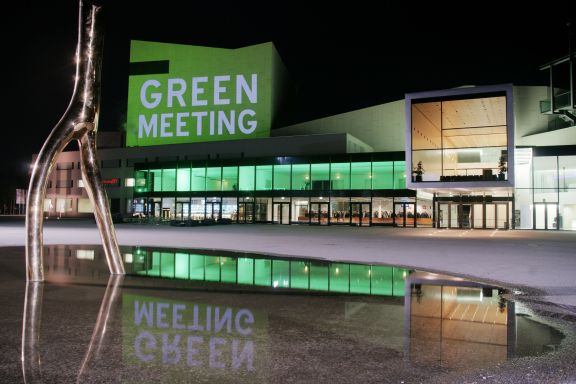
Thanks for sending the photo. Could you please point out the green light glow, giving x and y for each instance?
(276, 273)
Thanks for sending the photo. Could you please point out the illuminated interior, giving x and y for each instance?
(459, 140)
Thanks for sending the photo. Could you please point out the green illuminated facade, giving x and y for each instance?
(187, 94)
(360, 189)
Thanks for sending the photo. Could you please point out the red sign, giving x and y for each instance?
(113, 181)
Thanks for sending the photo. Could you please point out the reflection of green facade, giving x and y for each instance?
(271, 272)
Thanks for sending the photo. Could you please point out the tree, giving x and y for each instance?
(502, 167)
(418, 171)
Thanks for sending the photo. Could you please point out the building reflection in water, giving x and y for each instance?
(152, 326)
(453, 321)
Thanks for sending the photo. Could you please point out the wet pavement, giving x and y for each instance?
(188, 316)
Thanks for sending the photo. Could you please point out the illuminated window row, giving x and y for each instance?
(325, 176)
(275, 273)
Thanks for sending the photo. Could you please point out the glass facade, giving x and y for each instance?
(459, 140)
(362, 175)
(545, 194)
(314, 275)
(359, 192)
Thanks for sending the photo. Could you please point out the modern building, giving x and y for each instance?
(206, 141)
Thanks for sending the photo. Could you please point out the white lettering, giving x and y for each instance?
(218, 89)
(146, 128)
(177, 316)
(150, 344)
(161, 315)
(170, 352)
(197, 90)
(211, 123)
(176, 93)
(249, 319)
(193, 351)
(250, 92)
(224, 121)
(156, 97)
(199, 116)
(246, 354)
(195, 326)
(251, 123)
(226, 319)
(164, 123)
(139, 312)
(180, 124)
(216, 353)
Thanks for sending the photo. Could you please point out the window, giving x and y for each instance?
(229, 178)
(263, 177)
(382, 175)
(282, 177)
(64, 166)
(169, 180)
(198, 179)
(213, 178)
(246, 178)
(320, 176)
(183, 179)
(340, 175)
(460, 140)
(361, 176)
(300, 176)
(63, 205)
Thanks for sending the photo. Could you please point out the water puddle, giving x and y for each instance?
(199, 316)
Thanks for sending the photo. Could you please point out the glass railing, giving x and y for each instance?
(545, 106)
(561, 100)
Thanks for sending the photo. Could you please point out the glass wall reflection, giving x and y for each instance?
(152, 330)
(272, 272)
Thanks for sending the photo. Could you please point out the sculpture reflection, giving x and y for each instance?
(79, 122)
(31, 356)
(31, 361)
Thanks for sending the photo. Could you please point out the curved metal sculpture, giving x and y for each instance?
(80, 122)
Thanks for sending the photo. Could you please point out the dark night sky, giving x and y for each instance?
(340, 58)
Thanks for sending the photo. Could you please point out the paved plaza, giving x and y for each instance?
(544, 260)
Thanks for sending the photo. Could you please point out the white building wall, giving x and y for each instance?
(382, 126)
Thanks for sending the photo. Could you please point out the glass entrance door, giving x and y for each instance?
(154, 208)
(245, 212)
(213, 210)
(477, 216)
(546, 215)
(281, 213)
(502, 218)
(465, 216)
(319, 213)
(182, 211)
(443, 215)
(360, 213)
(404, 215)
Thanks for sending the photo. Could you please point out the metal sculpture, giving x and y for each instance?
(79, 122)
